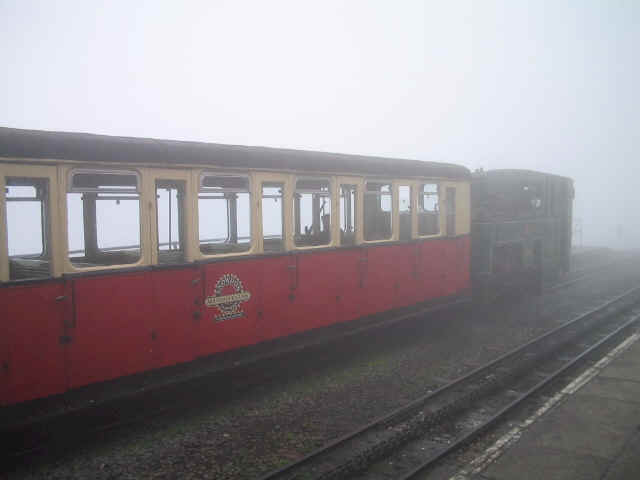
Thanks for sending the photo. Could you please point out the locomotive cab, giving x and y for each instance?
(521, 230)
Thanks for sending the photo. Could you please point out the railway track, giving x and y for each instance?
(409, 441)
(583, 274)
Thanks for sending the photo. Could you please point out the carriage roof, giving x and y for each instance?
(85, 147)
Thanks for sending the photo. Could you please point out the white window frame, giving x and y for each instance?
(419, 190)
(331, 182)
(394, 209)
(201, 174)
(144, 198)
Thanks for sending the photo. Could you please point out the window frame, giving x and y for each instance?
(412, 208)
(52, 234)
(358, 182)
(180, 188)
(419, 189)
(152, 176)
(199, 176)
(45, 214)
(331, 181)
(394, 208)
(448, 214)
(145, 197)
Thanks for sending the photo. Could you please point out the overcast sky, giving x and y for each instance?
(547, 85)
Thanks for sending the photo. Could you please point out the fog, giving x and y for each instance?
(543, 85)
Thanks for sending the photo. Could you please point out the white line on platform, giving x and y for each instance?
(512, 436)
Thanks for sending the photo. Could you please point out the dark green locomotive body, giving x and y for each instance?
(520, 230)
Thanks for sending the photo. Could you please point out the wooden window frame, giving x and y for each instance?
(332, 187)
(394, 209)
(52, 224)
(197, 178)
(287, 206)
(412, 204)
(151, 177)
(359, 213)
(419, 189)
(146, 196)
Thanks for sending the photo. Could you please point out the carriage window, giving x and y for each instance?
(27, 220)
(428, 210)
(312, 212)
(347, 214)
(451, 211)
(169, 211)
(103, 218)
(377, 210)
(272, 216)
(224, 212)
(404, 209)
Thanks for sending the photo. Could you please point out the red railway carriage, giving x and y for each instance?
(123, 255)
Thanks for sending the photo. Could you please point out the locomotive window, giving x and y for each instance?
(378, 211)
(404, 208)
(451, 211)
(27, 221)
(103, 214)
(347, 214)
(428, 210)
(224, 213)
(169, 211)
(272, 216)
(312, 212)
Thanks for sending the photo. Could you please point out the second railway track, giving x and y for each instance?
(410, 440)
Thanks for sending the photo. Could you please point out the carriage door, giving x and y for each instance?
(351, 266)
(177, 287)
(32, 303)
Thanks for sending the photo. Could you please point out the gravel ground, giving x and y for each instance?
(271, 425)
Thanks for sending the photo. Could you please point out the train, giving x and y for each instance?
(122, 255)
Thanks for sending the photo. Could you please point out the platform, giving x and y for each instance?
(592, 431)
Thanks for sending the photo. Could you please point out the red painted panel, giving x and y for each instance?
(380, 281)
(314, 301)
(408, 289)
(32, 324)
(448, 267)
(112, 336)
(349, 269)
(433, 271)
(4, 347)
(278, 282)
(450, 261)
(464, 263)
(232, 305)
(177, 300)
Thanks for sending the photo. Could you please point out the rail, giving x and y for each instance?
(378, 439)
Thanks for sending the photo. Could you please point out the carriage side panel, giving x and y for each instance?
(33, 340)
(232, 306)
(113, 333)
(316, 289)
(407, 288)
(350, 270)
(177, 301)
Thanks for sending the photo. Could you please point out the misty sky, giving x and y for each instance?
(546, 85)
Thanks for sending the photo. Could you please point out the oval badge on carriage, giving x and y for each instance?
(229, 294)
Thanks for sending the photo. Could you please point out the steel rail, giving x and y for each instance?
(583, 274)
(589, 272)
(461, 442)
(412, 407)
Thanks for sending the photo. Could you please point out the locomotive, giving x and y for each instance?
(521, 230)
